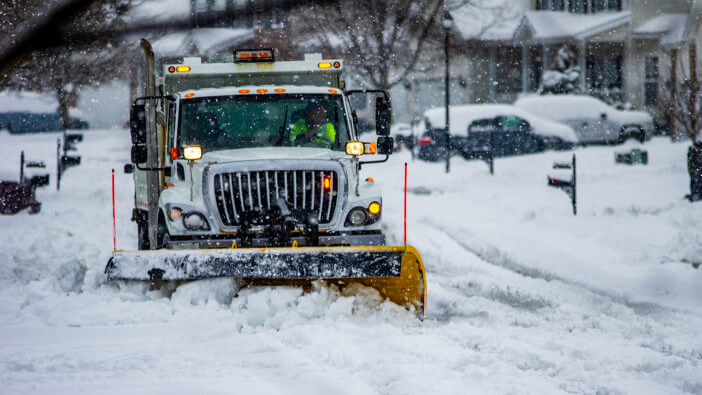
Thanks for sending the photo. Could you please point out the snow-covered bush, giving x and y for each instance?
(563, 76)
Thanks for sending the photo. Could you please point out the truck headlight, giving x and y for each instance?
(357, 216)
(195, 221)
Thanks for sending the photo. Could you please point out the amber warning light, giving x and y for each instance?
(252, 56)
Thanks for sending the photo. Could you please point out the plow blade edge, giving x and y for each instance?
(397, 273)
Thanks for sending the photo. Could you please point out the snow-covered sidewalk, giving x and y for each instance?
(523, 297)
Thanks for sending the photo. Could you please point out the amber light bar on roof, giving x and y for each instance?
(253, 56)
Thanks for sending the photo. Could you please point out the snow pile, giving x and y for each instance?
(462, 116)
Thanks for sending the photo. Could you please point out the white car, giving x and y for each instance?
(593, 120)
(554, 134)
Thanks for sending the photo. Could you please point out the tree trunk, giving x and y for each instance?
(673, 94)
(62, 96)
(694, 91)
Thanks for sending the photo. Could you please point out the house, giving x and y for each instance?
(626, 48)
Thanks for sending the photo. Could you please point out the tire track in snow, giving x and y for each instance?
(493, 255)
(653, 322)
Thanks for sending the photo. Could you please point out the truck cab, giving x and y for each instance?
(256, 153)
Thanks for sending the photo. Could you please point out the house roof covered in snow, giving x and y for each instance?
(202, 41)
(544, 26)
(659, 25)
(554, 26)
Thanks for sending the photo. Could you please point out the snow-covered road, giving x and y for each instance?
(523, 297)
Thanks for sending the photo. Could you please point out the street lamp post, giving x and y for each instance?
(447, 22)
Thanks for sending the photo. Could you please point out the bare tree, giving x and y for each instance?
(682, 102)
(382, 40)
(58, 69)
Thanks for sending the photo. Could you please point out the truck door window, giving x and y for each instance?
(281, 120)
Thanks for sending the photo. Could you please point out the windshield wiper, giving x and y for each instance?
(282, 127)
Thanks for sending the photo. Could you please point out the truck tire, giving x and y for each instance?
(162, 235)
(142, 236)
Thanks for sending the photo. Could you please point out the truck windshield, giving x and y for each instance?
(279, 120)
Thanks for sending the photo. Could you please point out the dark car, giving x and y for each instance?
(432, 145)
(505, 135)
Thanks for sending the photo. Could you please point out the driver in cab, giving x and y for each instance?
(315, 129)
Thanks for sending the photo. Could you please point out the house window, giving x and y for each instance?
(578, 6)
(651, 80)
(605, 76)
(614, 5)
(550, 5)
(508, 70)
(606, 5)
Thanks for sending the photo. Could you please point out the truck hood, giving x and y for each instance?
(270, 153)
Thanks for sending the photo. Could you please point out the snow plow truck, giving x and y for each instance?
(252, 170)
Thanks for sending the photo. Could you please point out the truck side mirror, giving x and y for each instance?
(138, 153)
(383, 116)
(385, 145)
(137, 123)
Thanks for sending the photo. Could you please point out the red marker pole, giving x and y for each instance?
(405, 216)
(114, 221)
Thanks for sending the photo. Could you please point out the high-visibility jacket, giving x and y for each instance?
(325, 134)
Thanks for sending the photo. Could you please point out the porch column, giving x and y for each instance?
(492, 71)
(544, 58)
(583, 66)
(525, 67)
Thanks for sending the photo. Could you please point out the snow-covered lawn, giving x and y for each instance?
(523, 297)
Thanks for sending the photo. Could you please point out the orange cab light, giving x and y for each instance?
(370, 179)
(373, 148)
(174, 153)
(334, 91)
(261, 90)
(191, 94)
(174, 213)
(168, 185)
(244, 91)
(183, 69)
(374, 208)
(324, 65)
(327, 183)
(279, 90)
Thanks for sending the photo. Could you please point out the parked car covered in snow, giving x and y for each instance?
(30, 112)
(593, 120)
(504, 135)
(519, 131)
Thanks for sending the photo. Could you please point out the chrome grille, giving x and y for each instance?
(245, 193)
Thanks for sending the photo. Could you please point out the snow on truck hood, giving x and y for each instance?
(463, 116)
(272, 153)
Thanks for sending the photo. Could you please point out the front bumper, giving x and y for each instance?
(340, 239)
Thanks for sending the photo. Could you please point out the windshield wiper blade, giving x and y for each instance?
(282, 127)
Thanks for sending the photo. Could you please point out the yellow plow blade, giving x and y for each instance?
(396, 272)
